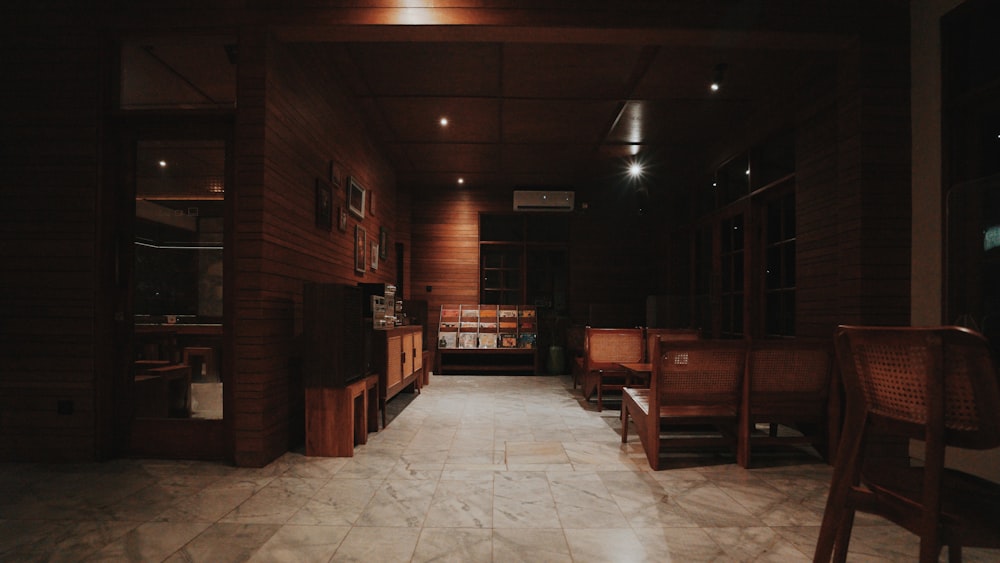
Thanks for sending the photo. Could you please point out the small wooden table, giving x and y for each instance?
(637, 372)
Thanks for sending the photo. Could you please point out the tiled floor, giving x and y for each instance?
(473, 469)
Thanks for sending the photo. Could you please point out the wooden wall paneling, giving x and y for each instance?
(872, 99)
(49, 353)
(307, 122)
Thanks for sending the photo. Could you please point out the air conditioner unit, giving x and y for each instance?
(543, 200)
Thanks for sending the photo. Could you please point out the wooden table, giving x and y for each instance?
(636, 372)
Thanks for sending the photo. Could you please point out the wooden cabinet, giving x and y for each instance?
(398, 360)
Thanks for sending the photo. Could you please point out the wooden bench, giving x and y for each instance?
(788, 383)
(694, 384)
(604, 350)
(733, 384)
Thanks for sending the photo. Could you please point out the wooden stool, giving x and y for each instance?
(338, 418)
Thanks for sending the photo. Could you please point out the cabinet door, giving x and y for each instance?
(407, 354)
(393, 360)
(418, 350)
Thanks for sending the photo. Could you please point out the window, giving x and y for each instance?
(745, 284)
(523, 259)
(779, 266)
(731, 236)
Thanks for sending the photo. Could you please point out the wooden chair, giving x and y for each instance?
(604, 349)
(694, 384)
(787, 382)
(934, 384)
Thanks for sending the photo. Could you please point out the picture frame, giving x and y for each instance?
(342, 218)
(334, 174)
(356, 198)
(324, 204)
(374, 260)
(360, 247)
(383, 243)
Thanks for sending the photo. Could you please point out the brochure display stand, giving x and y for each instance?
(487, 338)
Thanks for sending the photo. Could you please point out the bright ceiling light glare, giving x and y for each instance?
(415, 12)
(461, 181)
(443, 121)
(163, 164)
(635, 169)
(718, 77)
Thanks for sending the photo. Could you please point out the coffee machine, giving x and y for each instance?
(380, 304)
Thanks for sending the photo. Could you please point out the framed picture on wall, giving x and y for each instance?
(324, 204)
(334, 174)
(355, 198)
(383, 243)
(342, 218)
(360, 246)
(374, 256)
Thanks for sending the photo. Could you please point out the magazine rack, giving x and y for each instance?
(487, 338)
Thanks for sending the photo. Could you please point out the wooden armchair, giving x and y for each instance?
(604, 350)
(934, 384)
(694, 384)
(787, 382)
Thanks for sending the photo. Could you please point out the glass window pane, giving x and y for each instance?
(789, 263)
(773, 270)
(548, 228)
(177, 278)
(503, 228)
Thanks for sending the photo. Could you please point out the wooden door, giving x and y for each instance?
(393, 361)
(407, 354)
(418, 348)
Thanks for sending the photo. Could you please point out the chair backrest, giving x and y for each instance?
(668, 335)
(796, 370)
(609, 346)
(699, 372)
(914, 376)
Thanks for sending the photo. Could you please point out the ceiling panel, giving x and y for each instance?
(557, 121)
(470, 120)
(429, 69)
(568, 71)
(452, 158)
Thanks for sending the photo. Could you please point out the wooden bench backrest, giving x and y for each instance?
(794, 370)
(698, 372)
(606, 347)
(668, 335)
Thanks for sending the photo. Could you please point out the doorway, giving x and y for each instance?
(175, 179)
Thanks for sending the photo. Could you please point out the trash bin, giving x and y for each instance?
(556, 364)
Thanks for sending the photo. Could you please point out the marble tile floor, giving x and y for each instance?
(475, 468)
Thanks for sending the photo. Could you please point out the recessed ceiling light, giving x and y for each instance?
(461, 181)
(443, 121)
(163, 164)
(635, 169)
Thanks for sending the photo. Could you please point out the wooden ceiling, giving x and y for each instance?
(563, 95)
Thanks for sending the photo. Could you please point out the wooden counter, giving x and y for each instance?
(398, 359)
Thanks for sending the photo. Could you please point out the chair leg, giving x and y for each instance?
(624, 423)
(844, 536)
